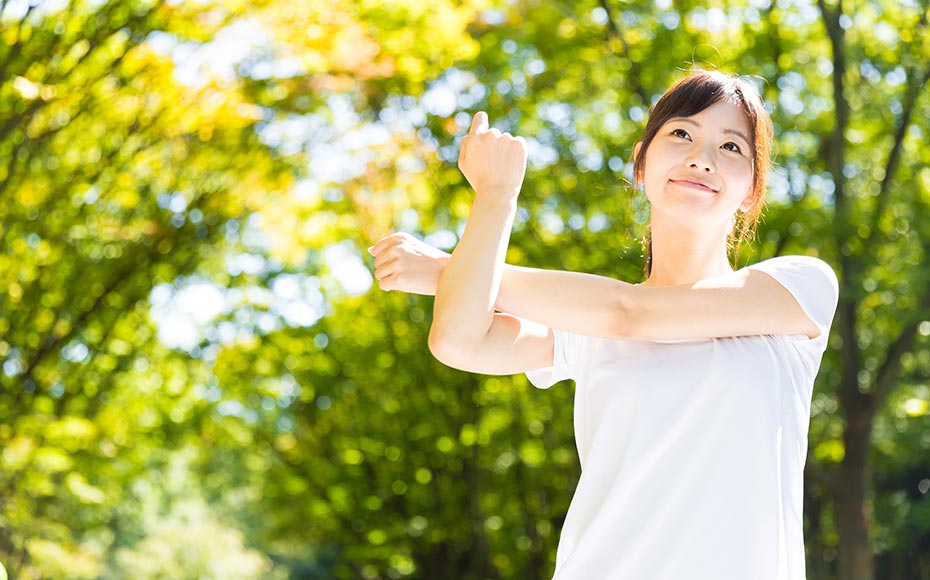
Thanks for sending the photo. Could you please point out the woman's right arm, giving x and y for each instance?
(466, 332)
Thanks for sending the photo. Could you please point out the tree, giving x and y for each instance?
(871, 158)
(249, 152)
(117, 178)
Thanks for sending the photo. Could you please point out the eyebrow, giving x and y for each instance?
(739, 134)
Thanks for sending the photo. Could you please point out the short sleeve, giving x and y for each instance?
(562, 368)
(812, 283)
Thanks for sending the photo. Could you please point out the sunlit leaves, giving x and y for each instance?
(97, 134)
(306, 405)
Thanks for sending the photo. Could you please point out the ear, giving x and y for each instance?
(748, 202)
(639, 145)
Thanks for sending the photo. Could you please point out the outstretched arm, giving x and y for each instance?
(743, 303)
(740, 304)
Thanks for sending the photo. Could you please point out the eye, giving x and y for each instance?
(731, 146)
(681, 133)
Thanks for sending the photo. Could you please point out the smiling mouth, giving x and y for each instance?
(693, 185)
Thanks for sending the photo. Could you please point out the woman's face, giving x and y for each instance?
(700, 167)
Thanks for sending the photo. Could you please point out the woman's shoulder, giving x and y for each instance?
(798, 264)
(810, 280)
(790, 259)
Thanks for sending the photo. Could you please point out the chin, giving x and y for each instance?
(689, 212)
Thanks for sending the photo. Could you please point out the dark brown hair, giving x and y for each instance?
(691, 95)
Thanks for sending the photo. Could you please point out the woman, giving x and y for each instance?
(693, 388)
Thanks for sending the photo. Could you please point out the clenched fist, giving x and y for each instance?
(492, 162)
(402, 262)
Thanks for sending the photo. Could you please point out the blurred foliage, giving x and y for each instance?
(198, 379)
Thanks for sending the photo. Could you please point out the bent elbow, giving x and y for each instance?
(438, 345)
(446, 348)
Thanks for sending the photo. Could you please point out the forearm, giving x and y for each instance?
(603, 307)
(469, 285)
(743, 303)
(570, 301)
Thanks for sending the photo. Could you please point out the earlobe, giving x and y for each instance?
(748, 202)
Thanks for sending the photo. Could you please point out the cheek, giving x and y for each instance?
(740, 170)
(656, 162)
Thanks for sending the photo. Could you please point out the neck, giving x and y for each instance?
(682, 255)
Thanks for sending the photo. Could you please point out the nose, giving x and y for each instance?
(701, 159)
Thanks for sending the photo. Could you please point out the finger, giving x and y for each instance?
(463, 149)
(384, 259)
(379, 246)
(382, 272)
(479, 124)
(495, 132)
(387, 283)
(384, 243)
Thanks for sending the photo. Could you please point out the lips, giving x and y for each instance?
(695, 184)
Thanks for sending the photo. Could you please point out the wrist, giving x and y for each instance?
(496, 200)
(498, 191)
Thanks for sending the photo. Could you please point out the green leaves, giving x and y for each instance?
(319, 434)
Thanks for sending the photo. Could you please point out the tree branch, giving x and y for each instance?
(613, 31)
(848, 392)
(888, 372)
(887, 375)
(914, 89)
(51, 343)
(837, 139)
(16, 48)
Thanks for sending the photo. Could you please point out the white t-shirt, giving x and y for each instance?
(692, 451)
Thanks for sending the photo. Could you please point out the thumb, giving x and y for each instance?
(479, 124)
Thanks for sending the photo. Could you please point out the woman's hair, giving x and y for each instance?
(690, 96)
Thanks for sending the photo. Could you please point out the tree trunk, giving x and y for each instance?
(813, 507)
(856, 561)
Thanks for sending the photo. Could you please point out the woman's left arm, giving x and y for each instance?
(745, 303)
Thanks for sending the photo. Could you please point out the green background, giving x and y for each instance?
(198, 379)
